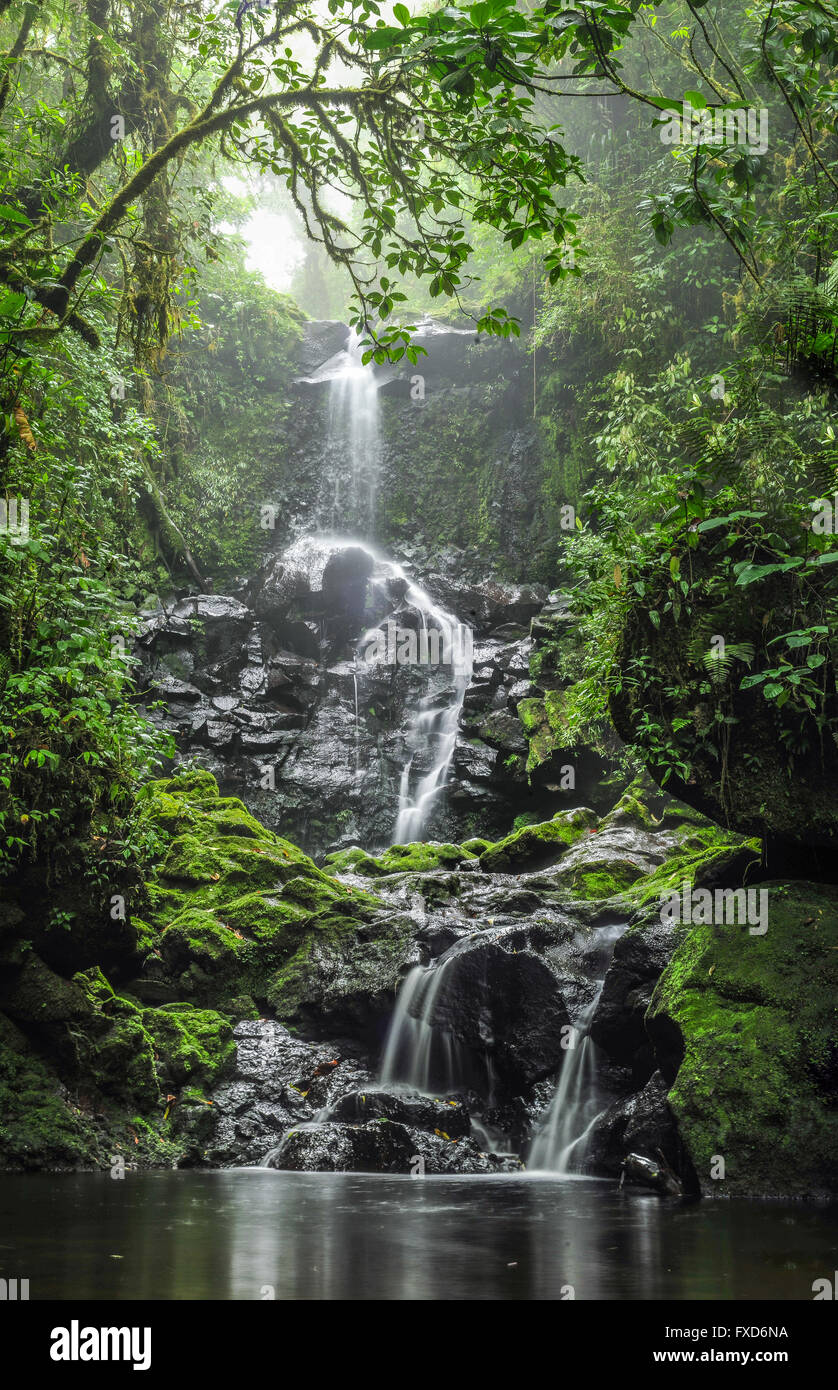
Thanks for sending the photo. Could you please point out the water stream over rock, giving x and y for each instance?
(561, 1141)
(353, 433)
(349, 704)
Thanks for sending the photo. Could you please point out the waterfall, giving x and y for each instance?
(417, 1053)
(442, 649)
(435, 729)
(561, 1142)
(353, 432)
(357, 725)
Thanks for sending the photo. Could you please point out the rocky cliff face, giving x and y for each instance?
(268, 689)
(263, 684)
(458, 462)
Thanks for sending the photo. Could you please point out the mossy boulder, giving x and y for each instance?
(745, 1031)
(39, 1125)
(194, 1045)
(608, 877)
(114, 1049)
(476, 846)
(353, 861)
(702, 855)
(545, 729)
(35, 995)
(240, 912)
(636, 806)
(414, 858)
(536, 846)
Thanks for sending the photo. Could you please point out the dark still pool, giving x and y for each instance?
(260, 1234)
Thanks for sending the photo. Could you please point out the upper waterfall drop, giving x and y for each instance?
(409, 630)
(353, 433)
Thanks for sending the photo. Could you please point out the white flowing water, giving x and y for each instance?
(353, 431)
(417, 1052)
(562, 1139)
(436, 730)
(441, 648)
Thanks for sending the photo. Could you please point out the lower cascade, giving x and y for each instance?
(418, 1053)
(561, 1142)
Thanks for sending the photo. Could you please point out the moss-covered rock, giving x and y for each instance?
(536, 846)
(233, 914)
(635, 806)
(418, 857)
(353, 861)
(36, 995)
(241, 913)
(422, 858)
(193, 1045)
(114, 1049)
(703, 853)
(545, 729)
(476, 846)
(608, 877)
(39, 1127)
(745, 1028)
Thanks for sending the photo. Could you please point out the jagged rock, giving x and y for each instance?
(381, 1146)
(640, 956)
(278, 1081)
(643, 1123)
(449, 1117)
(489, 604)
(320, 340)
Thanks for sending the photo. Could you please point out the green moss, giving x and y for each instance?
(633, 807)
(536, 846)
(608, 878)
(114, 1048)
(415, 858)
(39, 1125)
(476, 846)
(545, 727)
(204, 954)
(421, 858)
(191, 1044)
(353, 861)
(702, 850)
(38, 996)
(231, 900)
(756, 1018)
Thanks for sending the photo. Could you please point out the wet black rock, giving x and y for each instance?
(320, 340)
(266, 690)
(449, 1117)
(505, 1003)
(642, 1123)
(382, 1146)
(279, 1080)
(640, 956)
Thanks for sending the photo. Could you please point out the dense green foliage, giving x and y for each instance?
(656, 438)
